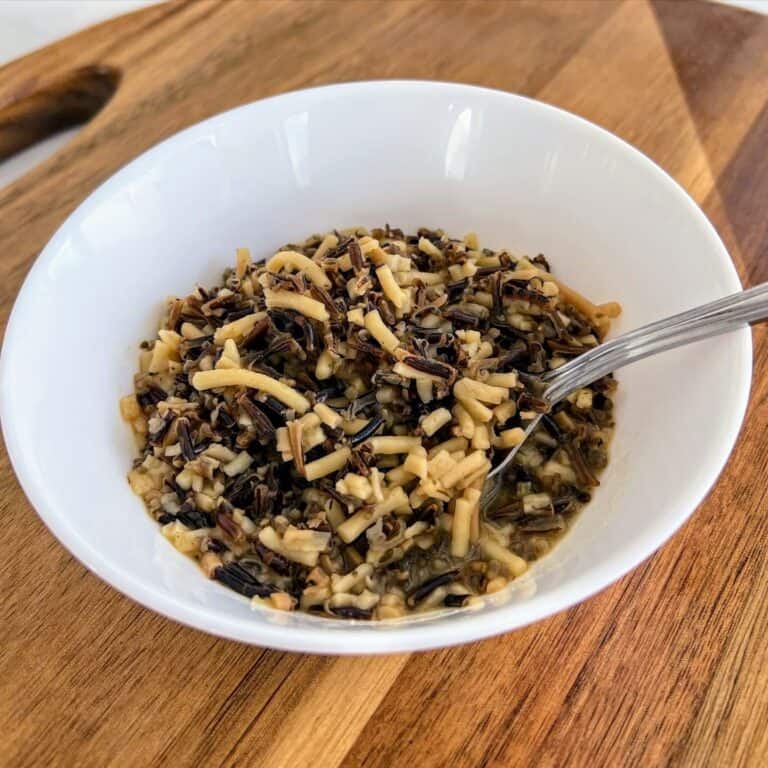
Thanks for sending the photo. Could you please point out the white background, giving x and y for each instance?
(29, 24)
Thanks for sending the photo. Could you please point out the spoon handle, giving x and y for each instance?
(703, 322)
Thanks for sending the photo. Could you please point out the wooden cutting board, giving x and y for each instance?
(666, 667)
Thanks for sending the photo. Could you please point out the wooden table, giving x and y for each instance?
(666, 667)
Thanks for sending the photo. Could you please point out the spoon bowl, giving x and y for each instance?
(707, 321)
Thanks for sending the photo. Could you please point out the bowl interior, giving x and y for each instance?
(522, 175)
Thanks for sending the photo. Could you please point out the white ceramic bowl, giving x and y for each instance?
(522, 174)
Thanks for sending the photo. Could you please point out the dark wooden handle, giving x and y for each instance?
(60, 103)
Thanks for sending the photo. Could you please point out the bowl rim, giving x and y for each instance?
(362, 639)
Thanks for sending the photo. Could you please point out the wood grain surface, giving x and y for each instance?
(668, 667)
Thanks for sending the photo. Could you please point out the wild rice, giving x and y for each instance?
(316, 430)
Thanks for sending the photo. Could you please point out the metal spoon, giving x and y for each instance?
(726, 314)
